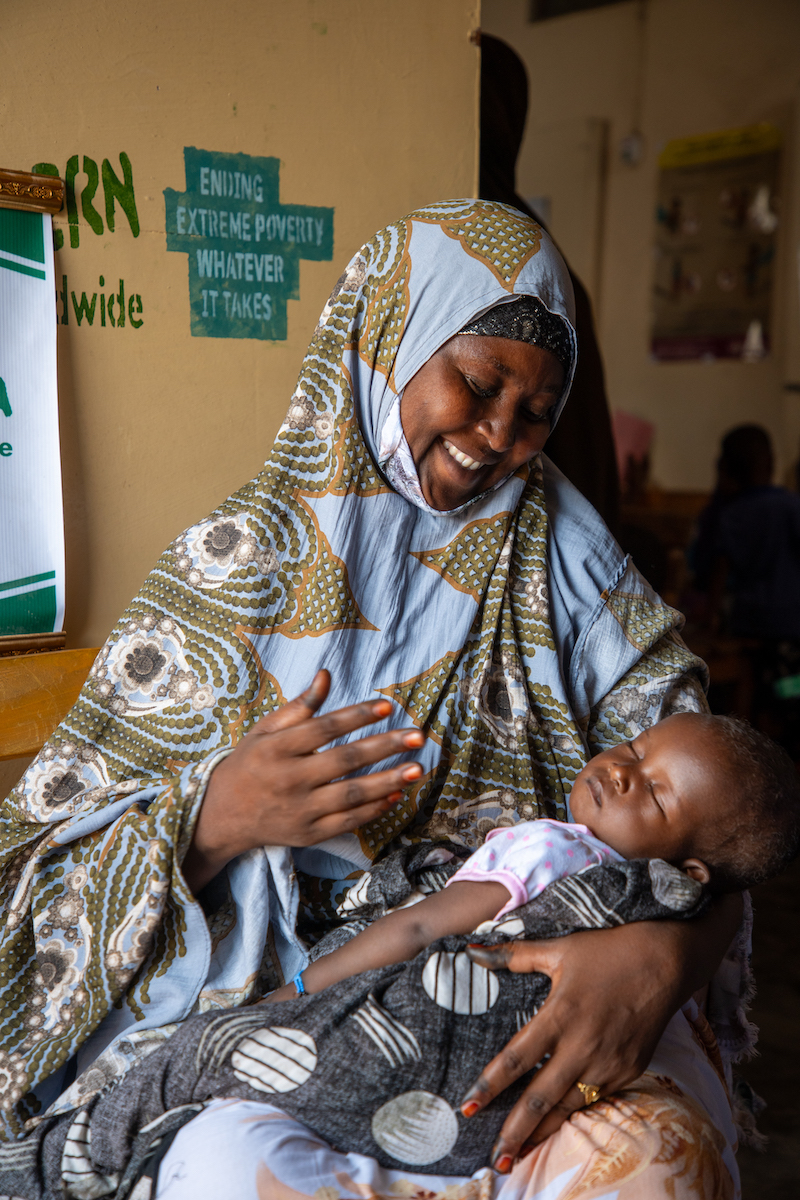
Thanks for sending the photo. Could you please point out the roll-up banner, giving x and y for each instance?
(32, 526)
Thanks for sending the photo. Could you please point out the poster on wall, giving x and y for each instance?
(716, 227)
(244, 246)
(32, 537)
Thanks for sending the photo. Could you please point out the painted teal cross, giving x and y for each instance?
(244, 246)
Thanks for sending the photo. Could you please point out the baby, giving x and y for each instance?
(377, 1041)
(709, 795)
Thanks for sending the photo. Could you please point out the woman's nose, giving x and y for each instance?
(499, 426)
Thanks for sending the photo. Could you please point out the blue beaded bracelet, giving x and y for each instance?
(298, 983)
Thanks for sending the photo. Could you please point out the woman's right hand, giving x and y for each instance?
(613, 992)
(274, 790)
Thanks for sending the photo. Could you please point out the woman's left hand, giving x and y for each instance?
(613, 993)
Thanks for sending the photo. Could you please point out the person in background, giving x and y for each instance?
(746, 562)
(582, 446)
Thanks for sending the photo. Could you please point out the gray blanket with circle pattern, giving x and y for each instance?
(377, 1064)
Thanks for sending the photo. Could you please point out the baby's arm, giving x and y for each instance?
(399, 936)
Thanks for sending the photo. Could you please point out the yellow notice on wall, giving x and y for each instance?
(723, 145)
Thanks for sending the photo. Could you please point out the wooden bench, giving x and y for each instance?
(36, 693)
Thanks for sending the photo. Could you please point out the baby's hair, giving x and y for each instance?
(764, 835)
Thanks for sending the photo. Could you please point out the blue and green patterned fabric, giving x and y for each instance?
(512, 630)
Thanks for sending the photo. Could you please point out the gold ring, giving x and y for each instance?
(590, 1092)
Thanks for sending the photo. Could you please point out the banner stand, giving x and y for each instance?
(32, 525)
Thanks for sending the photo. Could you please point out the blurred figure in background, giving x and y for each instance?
(746, 562)
(582, 445)
(748, 547)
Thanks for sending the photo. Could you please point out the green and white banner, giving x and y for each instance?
(32, 525)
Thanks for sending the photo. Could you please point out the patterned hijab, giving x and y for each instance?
(329, 557)
(318, 562)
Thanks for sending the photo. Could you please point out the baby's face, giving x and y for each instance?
(659, 796)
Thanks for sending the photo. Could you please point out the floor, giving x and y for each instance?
(775, 1074)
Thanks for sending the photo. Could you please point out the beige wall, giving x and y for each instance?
(370, 107)
(676, 68)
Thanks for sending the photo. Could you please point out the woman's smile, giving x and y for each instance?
(476, 412)
(464, 459)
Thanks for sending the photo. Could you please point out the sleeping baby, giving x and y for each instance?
(374, 1045)
(679, 792)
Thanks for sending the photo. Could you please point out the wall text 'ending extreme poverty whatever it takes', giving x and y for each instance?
(244, 246)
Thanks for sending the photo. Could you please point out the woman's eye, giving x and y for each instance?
(538, 418)
(481, 389)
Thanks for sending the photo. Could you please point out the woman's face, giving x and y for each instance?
(478, 410)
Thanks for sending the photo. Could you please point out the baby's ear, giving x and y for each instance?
(695, 868)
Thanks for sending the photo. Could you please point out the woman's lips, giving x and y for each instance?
(463, 459)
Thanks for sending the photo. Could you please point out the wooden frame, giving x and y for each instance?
(33, 193)
(30, 643)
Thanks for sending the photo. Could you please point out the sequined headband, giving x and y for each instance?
(526, 320)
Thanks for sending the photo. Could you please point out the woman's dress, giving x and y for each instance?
(512, 630)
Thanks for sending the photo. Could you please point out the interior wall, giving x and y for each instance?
(672, 68)
(370, 107)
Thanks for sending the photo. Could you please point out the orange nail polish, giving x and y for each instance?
(469, 1108)
(504, 1164)
(412, 772)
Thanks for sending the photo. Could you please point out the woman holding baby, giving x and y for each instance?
(406, 541)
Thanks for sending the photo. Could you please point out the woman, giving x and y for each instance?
(405, 534)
